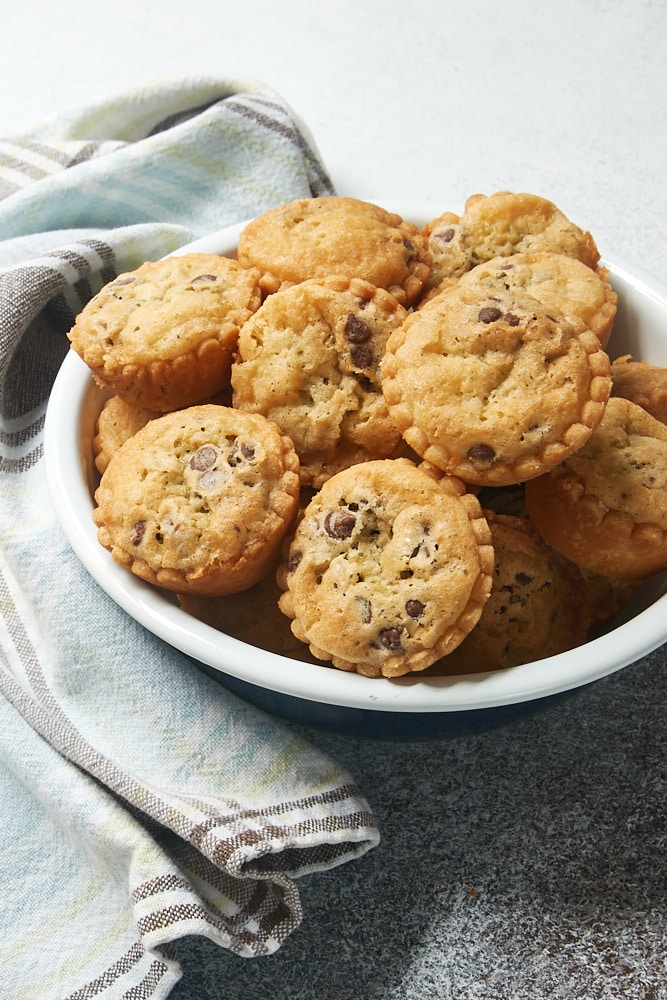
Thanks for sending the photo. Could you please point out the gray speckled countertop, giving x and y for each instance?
(526, 863)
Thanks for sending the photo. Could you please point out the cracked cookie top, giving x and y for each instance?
(557, 281)
(309, 359)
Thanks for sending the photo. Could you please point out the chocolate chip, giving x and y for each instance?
(294, 560)
(511, 319)
(201, 278)
(523, 579)
(362, 356)
(365, 609)
(415, 608)
(339, 523)
(447, 235)
(391, 637)
(481, 453)
(203, 458)
(489, 314)
(138, 532)
(356, 331)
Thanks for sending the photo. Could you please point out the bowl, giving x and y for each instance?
(410, 707)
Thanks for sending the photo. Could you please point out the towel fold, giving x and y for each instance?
(140, 800)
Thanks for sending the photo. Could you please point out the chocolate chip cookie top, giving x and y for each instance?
(499, 225)
(309, 359)
(605, 508)
(388, 569)
(557, 281)
(317, 237)
(199, 501)
(497, 389)
(162, 337)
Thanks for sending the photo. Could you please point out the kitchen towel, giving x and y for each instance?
(140, 800)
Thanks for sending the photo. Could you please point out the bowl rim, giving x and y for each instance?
(74, 396)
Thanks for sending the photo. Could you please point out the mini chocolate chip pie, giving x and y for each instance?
(539, 604)
(162, 337)
(604, 508)
(388, 570)
(199, 501)
(316, 237)
(494, 387)
(117, 422)
(309, 359)
(641, 383)
(498, 225)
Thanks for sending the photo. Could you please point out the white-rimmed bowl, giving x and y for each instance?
(411, 707)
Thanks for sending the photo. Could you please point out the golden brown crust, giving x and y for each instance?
(162, 337)
(496, 389)
(642, 383)
(317, 237)
(388, 569)
(604, 508)
(117, 422)
(199, 501)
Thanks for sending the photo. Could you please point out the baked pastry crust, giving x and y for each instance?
(497, 225)
(117, 422)
(309, 359)
(642, 383)
(608, 597)
(539, 604)
(199, 501)
(388, 569)
(494, 389)
(605, 508)
(162, 337)
(317, 237)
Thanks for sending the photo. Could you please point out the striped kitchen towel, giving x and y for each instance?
(140, 800)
